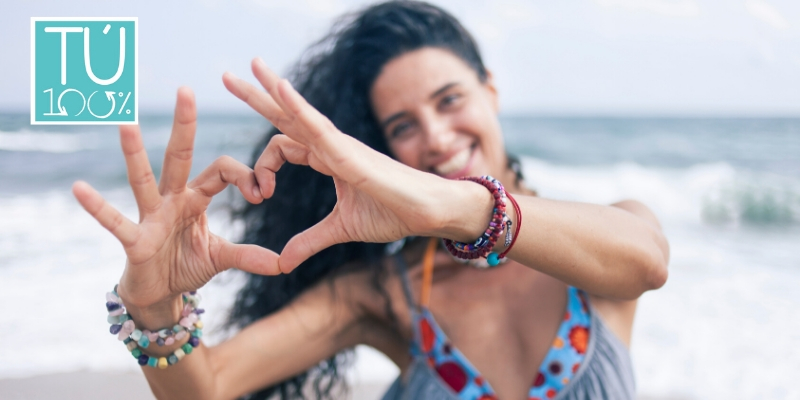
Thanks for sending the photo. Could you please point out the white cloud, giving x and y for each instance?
(768, 14)
(496, 21)
(518, 11)
(669, 8)
(325, 8)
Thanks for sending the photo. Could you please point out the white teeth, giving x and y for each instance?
(455, 163)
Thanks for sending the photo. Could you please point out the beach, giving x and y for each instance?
(131, 386)
(727, 192)
(85, 385)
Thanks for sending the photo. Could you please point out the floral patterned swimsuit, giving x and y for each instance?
(557, 369)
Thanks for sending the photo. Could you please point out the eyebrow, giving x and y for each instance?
(401, 114)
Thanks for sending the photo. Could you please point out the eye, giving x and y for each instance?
(399, 130)
(449, 100)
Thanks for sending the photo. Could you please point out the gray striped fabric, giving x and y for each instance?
(606, 373)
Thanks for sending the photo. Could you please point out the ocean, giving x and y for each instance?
(726, 190)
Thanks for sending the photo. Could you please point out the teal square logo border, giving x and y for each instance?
(135, 102)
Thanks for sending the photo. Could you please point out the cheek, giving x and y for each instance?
(486, 128)
(406, 152)
(483, 123)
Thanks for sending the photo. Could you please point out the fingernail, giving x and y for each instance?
(256, 191)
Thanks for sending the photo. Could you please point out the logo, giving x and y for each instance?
(84, 71)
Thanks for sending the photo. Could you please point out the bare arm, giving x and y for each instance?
(605, 250)
(608, 251)
(170, 250)
(318, 324)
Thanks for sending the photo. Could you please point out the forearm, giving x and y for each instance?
(604, 250)
(314, 327)
(191, 378)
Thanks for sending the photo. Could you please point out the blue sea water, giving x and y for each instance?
(727, 192)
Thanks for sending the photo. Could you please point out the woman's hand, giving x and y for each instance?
(171, 249)
(378, 199)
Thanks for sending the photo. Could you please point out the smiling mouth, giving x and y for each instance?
(456, 164)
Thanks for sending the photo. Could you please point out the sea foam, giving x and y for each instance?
(724, 325)
(49, 142)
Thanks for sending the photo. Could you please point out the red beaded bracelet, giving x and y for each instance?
(484, 244)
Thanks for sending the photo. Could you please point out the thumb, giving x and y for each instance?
(305, 244)
(247, 257)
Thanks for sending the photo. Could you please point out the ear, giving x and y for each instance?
(492, 90)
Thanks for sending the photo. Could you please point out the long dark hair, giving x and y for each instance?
(335, 76)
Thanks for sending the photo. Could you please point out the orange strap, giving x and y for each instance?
(427, 273)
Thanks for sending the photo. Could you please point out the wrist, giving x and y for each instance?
(152, 316)
(172, 342)
(499, 224)
(468, 211)
(156, 316)
(512, 232)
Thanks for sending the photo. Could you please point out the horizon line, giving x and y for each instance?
(588, 114)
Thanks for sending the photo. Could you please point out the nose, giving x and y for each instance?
(439, 134)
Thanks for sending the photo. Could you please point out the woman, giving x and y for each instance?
(407, 80)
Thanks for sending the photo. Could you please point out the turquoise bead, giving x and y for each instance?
(124, 317)
(114, 319)
(172, 359)
(136, 353)
(493, 259)
(197, 333)
(153, 362)
(144, 342)
(187, 348)
(177, 328)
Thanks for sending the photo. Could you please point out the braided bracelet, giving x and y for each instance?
(499, 222)
(493, 258)
(510, 243)
(134, 339)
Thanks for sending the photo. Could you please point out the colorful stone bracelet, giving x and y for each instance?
(125, 328)
(118, 318)
(164, 362)
(499, 223)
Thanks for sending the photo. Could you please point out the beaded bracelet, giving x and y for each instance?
(499, 222)
(480, 263)
(494, 259)
(190, 320)
(135, 339)
(164, 362)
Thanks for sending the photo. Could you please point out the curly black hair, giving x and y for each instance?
(335, 75)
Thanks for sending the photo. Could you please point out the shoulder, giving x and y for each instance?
(372, 299)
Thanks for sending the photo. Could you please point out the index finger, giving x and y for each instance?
(257, 99)
(302, 121)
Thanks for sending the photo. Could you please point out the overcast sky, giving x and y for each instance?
(696, 57)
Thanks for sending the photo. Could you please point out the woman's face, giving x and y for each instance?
(438, 116)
